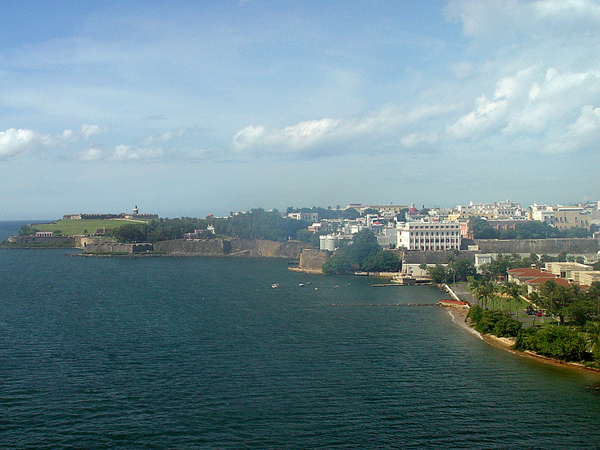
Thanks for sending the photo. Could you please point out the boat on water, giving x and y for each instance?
(275, 285)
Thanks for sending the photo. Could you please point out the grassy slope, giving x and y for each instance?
(71, 227)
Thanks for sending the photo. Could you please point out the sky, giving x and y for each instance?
(189, 107)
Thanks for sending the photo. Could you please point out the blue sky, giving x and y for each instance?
(184, 108)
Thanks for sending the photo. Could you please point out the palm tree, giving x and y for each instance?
(513, 290)
(593, 330)
(476, 287)
(484, 291)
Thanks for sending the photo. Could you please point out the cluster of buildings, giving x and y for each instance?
(562, 273)
(442, 229)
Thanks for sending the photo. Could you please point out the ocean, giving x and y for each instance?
(202, 353)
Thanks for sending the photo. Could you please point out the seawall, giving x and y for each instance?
(42, 240)
(231, 247)
(114, 247)
(312, 260)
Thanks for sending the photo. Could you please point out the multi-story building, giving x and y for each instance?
(566, 217)
(435, 236)
(567, 269)
(496, 210)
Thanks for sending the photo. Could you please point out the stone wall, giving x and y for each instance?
(429, 257)
(42, 240)
(114, 247)
(262, 248)
(538, 246)
(312, 260)
(84, 241)
(212, 247)
(231, 247)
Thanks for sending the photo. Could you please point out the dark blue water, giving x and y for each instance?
(185, 353)
(11, 227)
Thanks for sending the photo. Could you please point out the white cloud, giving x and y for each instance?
(414, 139)
(14, 142)
(128, 153)
(493, 113)
(509, 18)
(91, 154)
(296, 138)
(164, 137)
(576, 11)
(388, 128)
(580, 135)
(87, 130)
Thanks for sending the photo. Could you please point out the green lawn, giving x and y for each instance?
(71, 227)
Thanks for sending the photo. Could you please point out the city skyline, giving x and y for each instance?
(188, 108)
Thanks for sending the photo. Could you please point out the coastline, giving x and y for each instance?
(459, 317)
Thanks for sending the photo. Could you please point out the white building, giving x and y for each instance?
(310, 216)
(481, 259)
(542, 213)
(435, 236)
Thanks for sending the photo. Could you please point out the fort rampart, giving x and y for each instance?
(538, 246)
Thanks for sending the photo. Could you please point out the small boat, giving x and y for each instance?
(336, 287)
(301, 284)
(275, 285)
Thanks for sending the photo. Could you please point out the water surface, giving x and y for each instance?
(184, 353)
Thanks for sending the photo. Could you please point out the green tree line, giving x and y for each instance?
(255, 224)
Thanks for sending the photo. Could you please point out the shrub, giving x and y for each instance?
(553, 341)
(475, 313)
(494, 322)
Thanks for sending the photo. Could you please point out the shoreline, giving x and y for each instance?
(459, 317)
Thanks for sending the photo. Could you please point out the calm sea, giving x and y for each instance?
(202, 353)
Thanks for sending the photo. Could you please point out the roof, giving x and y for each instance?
(560, 281)
(453, 302)
(530, 273)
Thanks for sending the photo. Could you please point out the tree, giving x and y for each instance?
(362, 254)
(481, 229)
(129, 233)
(593, 336)
(370, 211)
(383, 261)
(364, 245)
(28, 230)
(482, 289)
(513, 291)
(439, 274)
(401, 216)
(463, 268)
(350, 214)
(339, 263)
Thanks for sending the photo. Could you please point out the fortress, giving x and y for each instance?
(134, 215)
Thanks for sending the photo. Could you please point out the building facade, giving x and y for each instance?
(429, 236)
